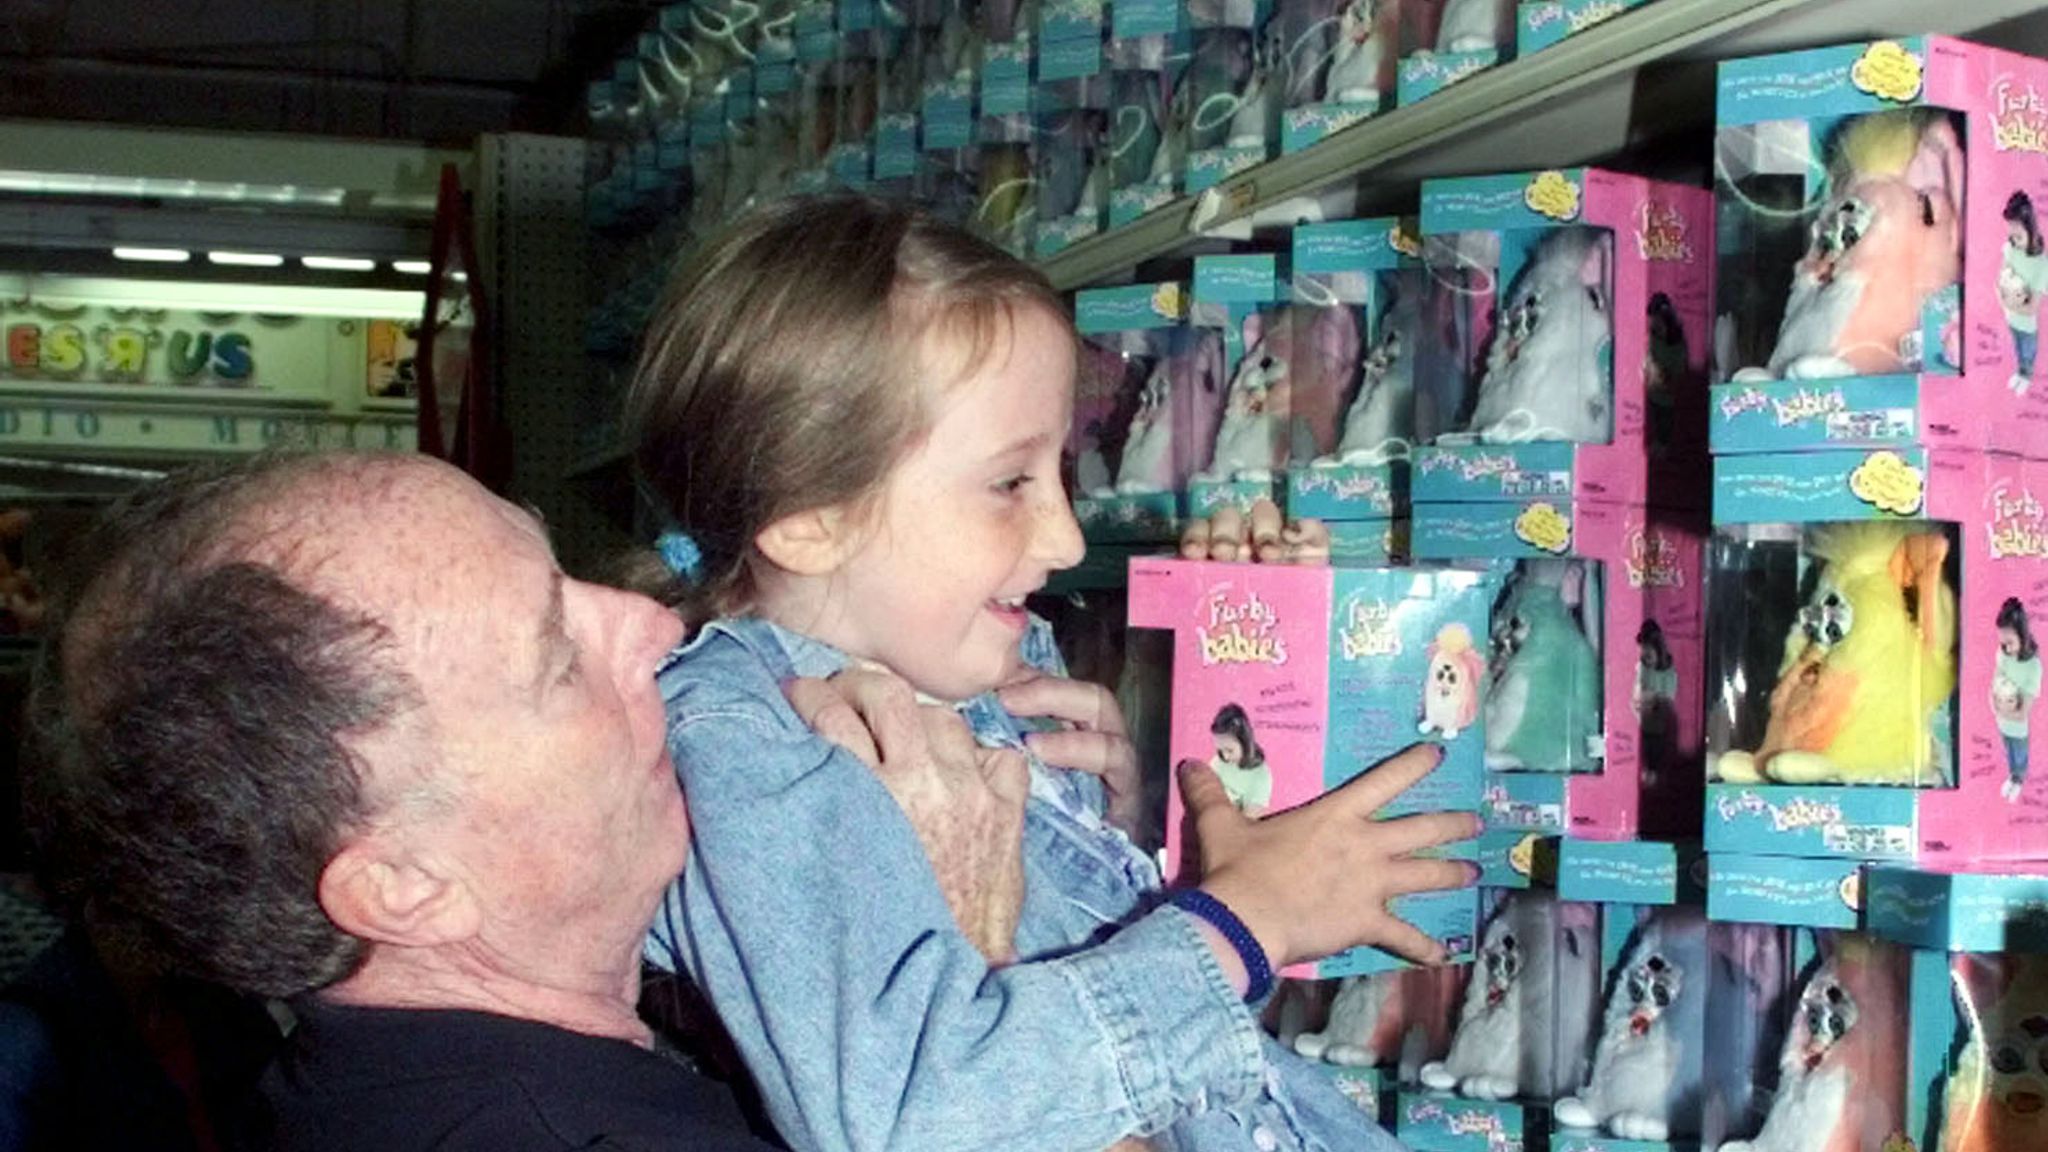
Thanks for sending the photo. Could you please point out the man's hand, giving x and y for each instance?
(1230, 535)
(1095, 740)
(965, 801)
(1312, 881)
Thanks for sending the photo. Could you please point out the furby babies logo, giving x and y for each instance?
(2018, 525)
(1652, 561)
(2019, 116)
(1369, 630)
(1662, 235)
(1240, 631)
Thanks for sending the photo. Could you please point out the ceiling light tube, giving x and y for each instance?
(246, 259)
(412, 267)
(338, 263)
(154, 255)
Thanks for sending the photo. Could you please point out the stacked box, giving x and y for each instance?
(1882, 253)
(1290, 681)
(1340, 69)
(1147, 58)
(1358, 288)
(1071, 106)
(1445, 41)
(1147, 400)
(1234, 88)
(1238, 298)
(1542, 23)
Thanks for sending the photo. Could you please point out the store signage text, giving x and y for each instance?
(123, 354)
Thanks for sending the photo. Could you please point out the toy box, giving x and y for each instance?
(1071, 183)
(1542, 23)
(1594, 690)
(1272, 387)
(1146, 399)
(1148, 56)
(1882, 258)
(1358, 289)
(1444, 41)
(1978, 1065)
(857, 96)
(1291, 681)
(1566, 339)
(1371, 1034)
(949, 63)
(900, 51)
(1673, 1056)
(1535, 978)
(1341, 65)
(1235, 84)
(1873, 668)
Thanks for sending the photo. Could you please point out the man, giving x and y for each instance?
(337, 729)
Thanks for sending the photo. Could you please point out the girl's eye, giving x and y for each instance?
(1012, 484)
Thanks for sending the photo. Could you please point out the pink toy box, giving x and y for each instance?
(1873, 665)
(1565, 342)
(1883, 252)
(1594, 690)
(1290, 681)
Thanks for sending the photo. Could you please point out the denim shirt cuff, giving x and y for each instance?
(1184, 1039)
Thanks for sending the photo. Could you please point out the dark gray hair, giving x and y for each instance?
(192, 768)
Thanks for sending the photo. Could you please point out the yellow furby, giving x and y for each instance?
(1858, 710)
(1880, 144)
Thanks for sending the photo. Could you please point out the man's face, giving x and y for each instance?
(548, 783)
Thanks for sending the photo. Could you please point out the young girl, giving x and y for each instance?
(2021, 280)
(2014, 688)
(857, 414)
(1240, 763)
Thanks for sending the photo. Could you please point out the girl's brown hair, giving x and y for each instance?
(783, 372)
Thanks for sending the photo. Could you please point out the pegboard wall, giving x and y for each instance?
(532, 239)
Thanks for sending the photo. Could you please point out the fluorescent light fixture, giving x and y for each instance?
(133, 187)
(153, 255)
(216, 296)
(246, 259)
(338, 263)
(412, 267)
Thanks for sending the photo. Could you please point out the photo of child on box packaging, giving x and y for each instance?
(2014, 689)
(2021, 279)
(1239, 761)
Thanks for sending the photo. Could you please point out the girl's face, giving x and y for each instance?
(2016, 234)
(2009, 642)
(1228, 749)
(971, 521)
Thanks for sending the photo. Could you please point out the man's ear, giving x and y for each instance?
(811, 543)
(374, 889)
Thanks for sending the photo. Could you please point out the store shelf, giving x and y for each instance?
(1640, 76)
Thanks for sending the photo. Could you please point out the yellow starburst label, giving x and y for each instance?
(1543, 526)
(1886, 482)
(1170, 301)
(1889, 72)
(1552, 195)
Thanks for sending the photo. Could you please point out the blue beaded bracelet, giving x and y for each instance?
(1258, 969)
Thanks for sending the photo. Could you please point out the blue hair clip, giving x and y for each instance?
(681, 554)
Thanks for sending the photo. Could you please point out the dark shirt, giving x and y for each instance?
(392, 1080)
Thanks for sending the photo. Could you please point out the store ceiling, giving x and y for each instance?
(439, 71)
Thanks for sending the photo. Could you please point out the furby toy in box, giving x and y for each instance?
(1567, 343)
(1289, 681)
(1147, 400)
(1341, 58)
(1594, 673)
(1235, 83)
(1444, 41)
(1542, 23)
(1148, 106)
(1358, 289)
(1978, 1064)
(1873, 665)
(1276, 384)
(1882, 255)
(1681, 1040)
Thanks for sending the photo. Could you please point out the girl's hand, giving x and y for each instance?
(1314, 880)
(966, 802)
(1095, 741)
(1261, 537)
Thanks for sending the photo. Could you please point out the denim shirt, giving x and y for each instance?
(809, 914)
